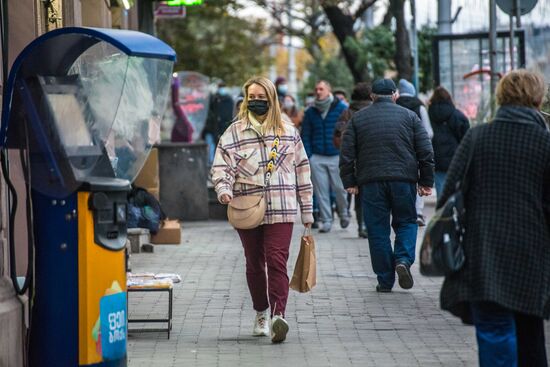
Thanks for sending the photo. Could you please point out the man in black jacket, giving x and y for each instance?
(386, 151)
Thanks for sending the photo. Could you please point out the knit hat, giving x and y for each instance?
(406, 88)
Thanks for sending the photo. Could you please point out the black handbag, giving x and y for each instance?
(441, 252)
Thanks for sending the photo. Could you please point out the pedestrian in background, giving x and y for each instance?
(386, 151)
(282, 88)
(240, 167)
(504, 286)
(408, 99)
(292, 111)
(342, 96)
(317, 133)
(360, 98)
(309, 100)
(220, 113)
(449, 126)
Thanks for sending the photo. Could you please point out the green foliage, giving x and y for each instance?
(332, 69)
(425, 61)
(213, 42)
(374, 51)
(379, 46)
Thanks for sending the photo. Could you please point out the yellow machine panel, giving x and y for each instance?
(101, 273)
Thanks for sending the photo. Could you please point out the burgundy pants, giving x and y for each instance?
(267, 244)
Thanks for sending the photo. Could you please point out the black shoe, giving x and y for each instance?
(315, 225)
(382, 289)
(344, 222)
(421, 221)
(363, 233)
(405, 277)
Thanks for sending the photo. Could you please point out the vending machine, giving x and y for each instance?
(82, 106)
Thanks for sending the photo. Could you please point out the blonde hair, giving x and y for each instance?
(273, 120)
(521, 88)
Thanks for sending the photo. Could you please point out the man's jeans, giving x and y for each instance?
(325, 175)
(439, 182)
(380, 201)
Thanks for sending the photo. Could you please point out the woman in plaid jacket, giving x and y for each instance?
(504, 286)
(239, 168)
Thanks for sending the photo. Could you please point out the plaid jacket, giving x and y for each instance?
(239, 169)
(507, 240)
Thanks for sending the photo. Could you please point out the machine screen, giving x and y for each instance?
(69, 120)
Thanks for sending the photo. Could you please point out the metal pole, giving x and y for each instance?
(272, 55)
(492, 50)
(511, 42)
(518, 13)
(414, 45)
(444, 25)
(292, 87)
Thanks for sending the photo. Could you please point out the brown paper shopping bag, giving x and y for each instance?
(305, 270)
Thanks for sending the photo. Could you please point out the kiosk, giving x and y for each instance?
(83, 106)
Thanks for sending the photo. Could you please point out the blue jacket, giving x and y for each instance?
(317, 132)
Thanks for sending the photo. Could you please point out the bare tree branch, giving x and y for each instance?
(365, 5)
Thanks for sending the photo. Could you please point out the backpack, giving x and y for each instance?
(144, 210)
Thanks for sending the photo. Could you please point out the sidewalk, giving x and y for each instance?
(342, 322)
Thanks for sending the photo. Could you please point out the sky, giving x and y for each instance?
(473, 17)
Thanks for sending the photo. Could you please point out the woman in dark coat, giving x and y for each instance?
(504, 286)
(449, 126)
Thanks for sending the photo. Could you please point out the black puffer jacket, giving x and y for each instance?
(449, 126)
(386, 142)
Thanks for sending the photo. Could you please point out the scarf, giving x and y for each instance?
(257, 125)
(323, 105)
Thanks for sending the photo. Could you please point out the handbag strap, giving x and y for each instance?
(271, 164)
(463, 184)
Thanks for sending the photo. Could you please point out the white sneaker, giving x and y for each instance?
(261, 324)
(279, 328)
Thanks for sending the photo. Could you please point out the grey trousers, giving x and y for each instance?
(325, 176)
(419, 205)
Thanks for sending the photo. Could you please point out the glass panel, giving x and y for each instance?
(101, 70)
(137, 124)
(194, 99)
(464, 68)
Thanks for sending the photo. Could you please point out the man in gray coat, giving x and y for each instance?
(387, 152)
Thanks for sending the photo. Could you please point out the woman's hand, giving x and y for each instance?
(307, 225)
(225, 199)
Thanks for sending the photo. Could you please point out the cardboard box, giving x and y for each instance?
(169, 233)
(148, 177)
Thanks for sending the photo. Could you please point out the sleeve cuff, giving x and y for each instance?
(224, 191)
(307, 218)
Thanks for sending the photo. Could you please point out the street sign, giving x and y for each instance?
(165, 11)
(183, 2)
(509, 7)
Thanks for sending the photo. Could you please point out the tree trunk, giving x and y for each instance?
(403, 56)
(342, 26)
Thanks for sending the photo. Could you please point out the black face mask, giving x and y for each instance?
(258, 107)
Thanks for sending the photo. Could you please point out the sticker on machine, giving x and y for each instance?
(112, 324)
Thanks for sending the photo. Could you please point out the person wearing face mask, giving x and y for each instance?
(220, 113)
(317, 131)
(292, 111)
(261, 153)
(282, 87)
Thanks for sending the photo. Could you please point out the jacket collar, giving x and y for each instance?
(520, 114)
(384, 100)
